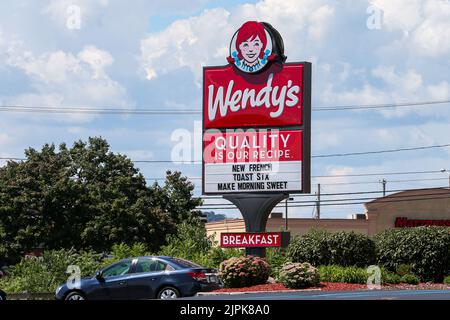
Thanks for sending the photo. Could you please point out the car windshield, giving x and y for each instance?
(118, 269)
(185, 263)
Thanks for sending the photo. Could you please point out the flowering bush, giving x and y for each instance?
(244, 271)
(299, 275)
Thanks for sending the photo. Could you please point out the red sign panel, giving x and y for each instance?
(247, 240)
(235, 99)
(253, 146)
(402, 222)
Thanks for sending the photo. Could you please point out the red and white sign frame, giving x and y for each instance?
(303, 123)
(253, 239)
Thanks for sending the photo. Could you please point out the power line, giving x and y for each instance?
(314, 176)
(351, 199)
(336, 204)
(379, 151)
(341, 193)
(332, 184)
(377, 174)
(380, 106)
(377, 182)
(192, 110)
(320, 156)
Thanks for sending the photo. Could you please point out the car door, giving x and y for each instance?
(146, 276)
(114, 284)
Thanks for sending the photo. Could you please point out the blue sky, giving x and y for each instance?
(149, 54)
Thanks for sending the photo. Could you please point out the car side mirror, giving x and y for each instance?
(99, 275)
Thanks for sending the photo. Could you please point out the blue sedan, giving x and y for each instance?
(2, 295)
(143, 278)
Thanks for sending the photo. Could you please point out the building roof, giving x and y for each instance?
(411, 195)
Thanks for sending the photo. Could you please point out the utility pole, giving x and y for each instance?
(318, 202)
(286, 213)
(448, 171)
(383, 182)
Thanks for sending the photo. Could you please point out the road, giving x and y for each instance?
(338, 295)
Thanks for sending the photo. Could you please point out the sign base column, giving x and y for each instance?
(255, 209)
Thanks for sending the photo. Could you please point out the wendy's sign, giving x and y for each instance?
(254, 46)
(273, 97)
(256, 117)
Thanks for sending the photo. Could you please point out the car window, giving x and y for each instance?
(185, 263)
(117, 269)
(149, 265)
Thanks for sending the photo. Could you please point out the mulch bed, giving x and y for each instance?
(337, 286)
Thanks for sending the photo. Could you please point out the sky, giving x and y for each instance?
(150, 54)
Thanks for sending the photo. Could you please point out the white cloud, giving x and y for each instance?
(425, 22)
(431, 37)
(97, 59)
(58, 11)
(402, 15)
(203, 40)
(62, 79)
(388, 85)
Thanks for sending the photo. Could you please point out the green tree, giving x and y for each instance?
(86, 197)
(176, 198)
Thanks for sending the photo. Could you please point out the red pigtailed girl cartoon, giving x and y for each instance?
(251, 48)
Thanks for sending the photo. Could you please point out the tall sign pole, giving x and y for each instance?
(256, 128)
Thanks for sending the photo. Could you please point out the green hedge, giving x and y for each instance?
(410, 279)
(321, 247)
(425, 249)
(351, 249)
(333, 273)
(312, 247)
(45, 274)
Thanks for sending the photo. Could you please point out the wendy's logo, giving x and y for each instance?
(254, 46)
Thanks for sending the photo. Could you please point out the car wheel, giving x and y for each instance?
(168, 293)
(75, 296)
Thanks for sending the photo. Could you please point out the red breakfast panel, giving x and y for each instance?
(248, 240)
(235, 99)
(252, 146)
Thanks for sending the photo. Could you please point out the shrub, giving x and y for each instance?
(390, 278)
(276, 257)
(335, 273)
(191, 243)
(217, 255)
(244, 271)
(351, 249)
(321, 247)
(447, 279)
(404, 269)
(299, 275)
(123, 251)
(45, 274)
(425, 248)
(410, 279)
(312, 247)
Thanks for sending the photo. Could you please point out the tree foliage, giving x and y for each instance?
(86, 197)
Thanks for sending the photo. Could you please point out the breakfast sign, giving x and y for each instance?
(256, 118)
